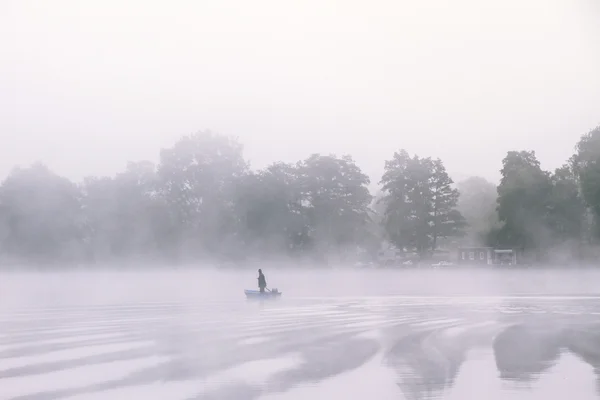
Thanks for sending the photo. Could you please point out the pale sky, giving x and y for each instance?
(86, 86)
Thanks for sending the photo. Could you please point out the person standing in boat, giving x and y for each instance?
(262, 281)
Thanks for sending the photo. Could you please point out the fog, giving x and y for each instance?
(419, 180)
(87, 86)
(205, 283)
(186, 334)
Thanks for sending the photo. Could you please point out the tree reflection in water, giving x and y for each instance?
(427, 363)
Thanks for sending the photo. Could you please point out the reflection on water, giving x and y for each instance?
(529, 342)
(158, 342)
(424, 367)
(570, 378)
(525, 351)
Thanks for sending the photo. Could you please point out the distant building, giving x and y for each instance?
(486, 256)
(475, 255)
(505, 257)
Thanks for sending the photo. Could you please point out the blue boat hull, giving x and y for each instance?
(256, 294)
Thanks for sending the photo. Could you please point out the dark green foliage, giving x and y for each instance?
(540, 212)
(566, 217)
(523, 196)
(585, 164)
(420, 203)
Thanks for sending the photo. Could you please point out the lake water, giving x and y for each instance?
(185, 334)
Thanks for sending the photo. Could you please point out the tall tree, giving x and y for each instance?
(198, 177)
(586, 168)
(523, 196)
(269, 205)
(398, 216)
(336, 197)
(447, 220)
(420, 204)
(567, 210)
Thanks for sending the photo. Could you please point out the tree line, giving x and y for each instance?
(201, 201)
(551, 216)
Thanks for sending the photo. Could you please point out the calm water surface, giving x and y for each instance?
(333, 334)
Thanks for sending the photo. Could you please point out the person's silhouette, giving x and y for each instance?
(262, 282)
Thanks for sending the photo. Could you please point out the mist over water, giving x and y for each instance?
(191, 334)
(142, 284)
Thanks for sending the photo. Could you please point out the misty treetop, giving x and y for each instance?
(41, 214)
(202, 201)
(420, 203)
(550, 215)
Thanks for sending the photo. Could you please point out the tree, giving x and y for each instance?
(126, 215)
(477, 202)
(198, 177)
(447, 220)
(420, 204)
(336, 198)
(202, 200)
(523, 202)
(585, 165)
(398, 216)
(541, 213)
(566, 207)
(42, 216)
(269, 207)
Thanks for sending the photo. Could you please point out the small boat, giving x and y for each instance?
(256, 294)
